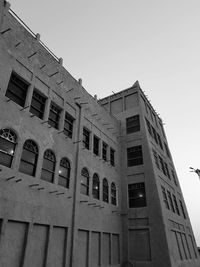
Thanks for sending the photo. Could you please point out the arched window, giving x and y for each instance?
(84, 182)
(29, 158)
(105, 190)
(48, 167)
(95, 186)
(64, 173)
(8, 140)
(113, 194)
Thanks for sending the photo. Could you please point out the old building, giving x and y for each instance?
(83, 182)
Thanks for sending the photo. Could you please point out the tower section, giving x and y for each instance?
(156, 227)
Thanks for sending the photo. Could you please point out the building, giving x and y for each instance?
(84, 183)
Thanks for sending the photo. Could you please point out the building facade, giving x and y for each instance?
(84, 183)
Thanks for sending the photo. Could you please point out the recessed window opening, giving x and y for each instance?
(8, 141)
(17, 89)
(84, 182)
(48, 167)
(64, 173)
(54, 116)
(86, 138)
(38, 104)
(96, 186)
(113, 194)
(105, 190)
(137, 195)
(29, 158)
(68, 125)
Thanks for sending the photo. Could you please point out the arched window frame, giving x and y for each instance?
(29, 157)
(8, 141)
(48, 167)
(84, 182)
(113, 193)
(64, 172)
(105, 190)
(95, 186)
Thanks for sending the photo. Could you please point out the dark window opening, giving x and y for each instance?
(64, 173)
(96, 143)
(176, 205)
(171, 201)
(133, 124)
(86, 138)
(112, 157)
(113, 194)
(105, 190)
(159, 141)
(68, 125)
(84, 182)
(134, 156)
(48, 167)
(54, 116)
(38, 104)
(17, 89)
(137, 195)
(182, 209)
(8, 140)
(29, 158)
(162, 164)
(165, 200)
(95, 186)
(104, 151)
(156, 159)
(174, 178)
(167, 151)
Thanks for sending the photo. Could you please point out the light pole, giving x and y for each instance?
(197, 171)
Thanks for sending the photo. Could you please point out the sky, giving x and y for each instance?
(112, 43)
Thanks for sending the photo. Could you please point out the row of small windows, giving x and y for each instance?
(157, 138)
(162, 166)
(153, 117)
(96, 147)
(171, 203)
(17, 92)
(29, 158)
(84, 189)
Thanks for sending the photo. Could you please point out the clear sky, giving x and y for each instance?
(112, 43)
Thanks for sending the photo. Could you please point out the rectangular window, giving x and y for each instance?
(133, 124)
(174, 178)
(182, 209)
(176, 205)
(137, 196)
(167, 170)
(38, 104)
(154, 134)
(165, 200)
(134, 156)
(17, 89)
(68, 125)
(96, 143)
(156, 159)
(167, 151)
(162, 165)
(112, 156)
(54, 115)
(159, 141)
(149, 128)
(86, 138)
(104, 151)
(170, 201)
